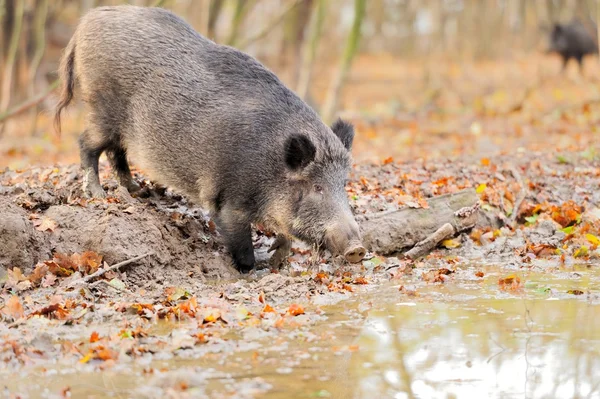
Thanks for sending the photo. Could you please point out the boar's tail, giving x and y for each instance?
(66, 74)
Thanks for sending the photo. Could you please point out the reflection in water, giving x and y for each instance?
(462, 339)
(485, 348)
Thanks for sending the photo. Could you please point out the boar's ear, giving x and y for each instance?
(299, 151)
(345, 132)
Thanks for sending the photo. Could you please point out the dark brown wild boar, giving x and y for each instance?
(214, 124)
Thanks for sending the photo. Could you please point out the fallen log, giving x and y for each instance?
(393, 231)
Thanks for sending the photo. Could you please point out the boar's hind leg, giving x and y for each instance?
(91, 146)
(238, 238)
(118, 161)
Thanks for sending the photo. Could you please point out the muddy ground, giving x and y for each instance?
(51, 238)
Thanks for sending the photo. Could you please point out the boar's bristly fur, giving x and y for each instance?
(212, 123)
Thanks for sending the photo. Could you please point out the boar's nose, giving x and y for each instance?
(344, 238)
(355, 252)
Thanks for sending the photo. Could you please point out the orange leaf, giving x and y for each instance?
(268, 309)
(94, 337)
(360, 280)
(295, 309)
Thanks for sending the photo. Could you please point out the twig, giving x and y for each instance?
(32, 102)
(425, 246)
(520, 197)
(113, 267)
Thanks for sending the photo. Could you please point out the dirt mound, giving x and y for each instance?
(50, 217)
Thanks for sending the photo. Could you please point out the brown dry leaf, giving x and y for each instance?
(88, 262)
(261, 297)
(49, 280)
(510, 283)
(479, 274)
(57, 270)
(38, 274)
(45, 224)
(295, 309)
(360, 280)
(189, 307)
(13, 308)
(14, 277)
(54, 311)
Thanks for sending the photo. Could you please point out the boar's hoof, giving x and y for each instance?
(355, 253)
(92, 191)
(133, 187)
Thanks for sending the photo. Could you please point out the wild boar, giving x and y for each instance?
(573, 40)
(212, 123)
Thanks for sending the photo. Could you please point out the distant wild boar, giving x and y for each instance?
(214, 124)
(573, 40)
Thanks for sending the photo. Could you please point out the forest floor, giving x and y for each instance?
(179, 321)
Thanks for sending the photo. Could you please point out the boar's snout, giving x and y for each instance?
(344, 238)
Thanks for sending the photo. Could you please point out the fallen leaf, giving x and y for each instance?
(45, 224)
(176, 293)
(95, 337)
(360, 280)
(581, 252)
(451, 243)
(511, 283)
(295, 309)
(592, 239)
(13, 308)
(49, 280)
(268, 309)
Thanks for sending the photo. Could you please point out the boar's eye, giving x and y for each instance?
(318, 188)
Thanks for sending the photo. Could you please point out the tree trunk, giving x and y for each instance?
(310, 47)
(331, 102)
(241, 7)
(39, 31)
(11, 55)
(213, 16)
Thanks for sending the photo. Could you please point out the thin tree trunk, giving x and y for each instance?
(11, 55)
(39, 29)
(310, 48)
(238, 16)
(333, 95)
(2, 16)
(213, 16)
(598, 21)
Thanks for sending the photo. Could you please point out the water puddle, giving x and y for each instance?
(464, 338)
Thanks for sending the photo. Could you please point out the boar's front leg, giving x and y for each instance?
(237, 234)
(282, 247)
